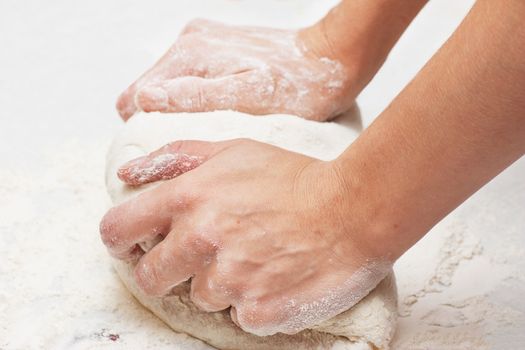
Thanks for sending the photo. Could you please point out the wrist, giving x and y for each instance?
(321, 41)
(358, 68)
(326, 200)
(380, 227)
(360, 34)
(325, 40)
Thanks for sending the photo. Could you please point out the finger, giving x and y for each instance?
(174, 63)
(177, 258)
(126, 101)
(140, 219)
(310, 303)
(170, 161)
(249, 92)
(207, 294)
(262, 318)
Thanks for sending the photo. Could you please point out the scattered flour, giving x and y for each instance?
(460, 287)
(57, 290)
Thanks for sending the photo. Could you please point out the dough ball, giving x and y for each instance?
(369, 324)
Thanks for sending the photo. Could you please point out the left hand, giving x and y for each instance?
(274, 234)
(214, 66)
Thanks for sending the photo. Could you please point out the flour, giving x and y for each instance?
(57, 290)
(449, 301)
(162, 167)
(456, 249)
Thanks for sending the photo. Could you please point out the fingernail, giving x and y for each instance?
(133, 162)
(126, 172)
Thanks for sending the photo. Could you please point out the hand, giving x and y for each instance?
(264, 230)
(213, 66)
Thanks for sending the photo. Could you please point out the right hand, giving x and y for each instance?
(213, 66)
(284, 239)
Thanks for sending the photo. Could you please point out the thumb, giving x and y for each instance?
(169, 161)
(249, 92)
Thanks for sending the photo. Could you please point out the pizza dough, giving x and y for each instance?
(368, 325)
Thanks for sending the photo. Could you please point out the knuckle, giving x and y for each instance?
(194, 25)
(260, 316)
(188, 29)
(189, 241)
(217, 283)
(178, 199)
(205, 296)
(226, 267)
(198, 293)
(189, 94)
(267, 316)
(143, 101)
(199, 100)
(199, 243)
(146, 279)
(251, 317)
(108, 229)
(203, 302)
(271, 80)
(186, 198)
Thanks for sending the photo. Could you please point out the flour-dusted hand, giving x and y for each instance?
(315, 72)
(213, 66)
(255, 227)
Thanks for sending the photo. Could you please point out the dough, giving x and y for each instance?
(368, 325)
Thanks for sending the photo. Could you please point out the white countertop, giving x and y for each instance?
(62, 65)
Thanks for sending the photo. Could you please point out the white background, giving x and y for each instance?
(62, 65)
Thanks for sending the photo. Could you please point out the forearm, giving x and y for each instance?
(456, 126)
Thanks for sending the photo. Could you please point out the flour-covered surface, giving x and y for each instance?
(57, 287)
(462, 286)
(62, 65)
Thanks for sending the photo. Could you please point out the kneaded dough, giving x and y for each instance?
(368, 325)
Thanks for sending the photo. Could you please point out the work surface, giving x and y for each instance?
(62, 65)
